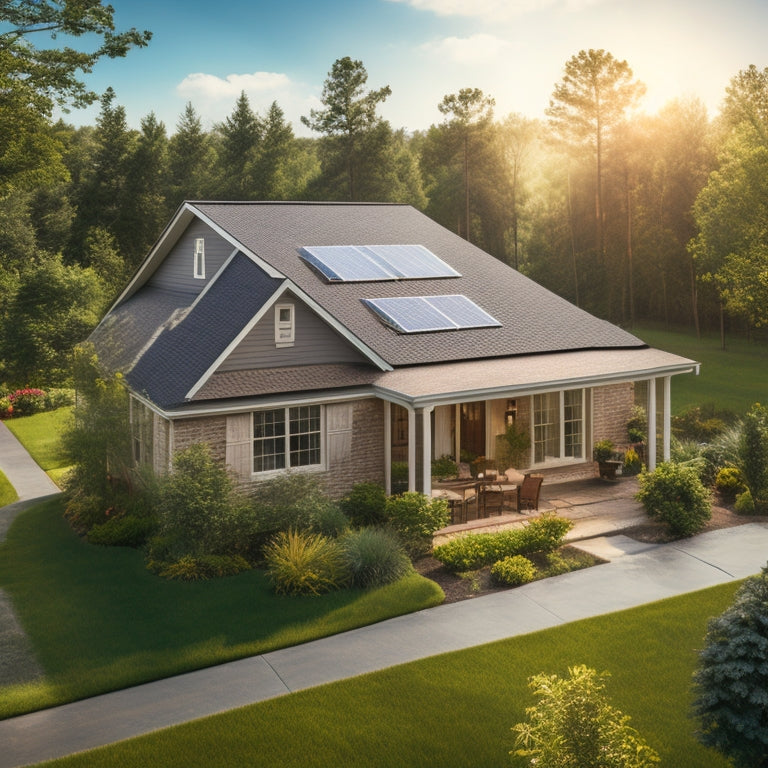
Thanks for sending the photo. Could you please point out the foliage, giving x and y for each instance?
(753, 455)
(305, 564)
(637, 425)
(728, 481)
(731, 681)
(602, 450)
(511, 446)
(415, 517)
(329, 520)
(365, 504)
(288, 502)
(202, 567)
(374, 557)
(744, 504)
(689, 453)
(695, 424)
(513, 571)
(573, 725)
(675, 495)
(26, 402)
(7, 492)
(632, 463)
(123, 530)
(466, 553)
(198, 506)
(444, 468)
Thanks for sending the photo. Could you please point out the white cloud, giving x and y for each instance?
(213, 88)
(495, 10)
(466, 50)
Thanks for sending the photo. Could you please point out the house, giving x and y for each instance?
(351, 339)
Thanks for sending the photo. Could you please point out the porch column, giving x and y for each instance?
(411, 449)
(387, 447)
(426, 426)
(667, 423)
(651, 425)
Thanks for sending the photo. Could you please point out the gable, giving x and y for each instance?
(315, 342)
(178, 270)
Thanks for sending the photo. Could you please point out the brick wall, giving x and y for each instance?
(611, 409)
(210, 429)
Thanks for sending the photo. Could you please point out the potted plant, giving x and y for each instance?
(511, 447)
(603, 454)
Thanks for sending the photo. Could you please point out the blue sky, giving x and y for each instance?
(514, 50)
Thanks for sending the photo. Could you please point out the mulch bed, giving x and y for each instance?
(458, 588)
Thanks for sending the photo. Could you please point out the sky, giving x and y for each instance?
(513, 50)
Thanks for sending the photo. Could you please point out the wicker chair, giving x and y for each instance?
(528, 493)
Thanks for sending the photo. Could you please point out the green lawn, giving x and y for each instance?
(7, 492)
(455, 710)
(41, 436)
(732, 380)
(99, 620)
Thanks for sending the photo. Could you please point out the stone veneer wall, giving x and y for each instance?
(611, 409)
(210, 429)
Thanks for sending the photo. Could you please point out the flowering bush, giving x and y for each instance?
(6, 409)
(25, 402)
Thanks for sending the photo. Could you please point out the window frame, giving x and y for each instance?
(198, 259)
(287, 437)
(565, 441)
(285, 330)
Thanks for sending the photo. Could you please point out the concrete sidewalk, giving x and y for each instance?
(20, 468)
(637, 574)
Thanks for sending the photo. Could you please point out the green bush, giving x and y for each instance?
(632, 463)
(744, 504)
(675, 495)
(374, 557)
(58, 398)
(444, 468)
(729, 481)
(753, 455)
(689, 453)
(699, 424)
(123, 531)
(328, 520)
(6, 409)
(288, 502)
(305, 563)
(204, 567)
(26, 402)
(416, 517)
(365, 504)
(513, 571)
(468, 553)
(637, 425)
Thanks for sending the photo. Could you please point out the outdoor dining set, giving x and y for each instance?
(490, 493)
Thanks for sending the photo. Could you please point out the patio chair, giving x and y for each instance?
(464, 472)
(491, 499)
(528, 494)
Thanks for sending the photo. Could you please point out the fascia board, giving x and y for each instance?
(473, 395)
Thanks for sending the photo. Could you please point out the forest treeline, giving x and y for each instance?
(631, 216)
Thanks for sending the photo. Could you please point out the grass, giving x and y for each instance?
(731, 380)
(7, 492)
(457, 709)
(41, 436)
(100, 621)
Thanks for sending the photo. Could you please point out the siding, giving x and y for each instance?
(176, 273)
(315, 343)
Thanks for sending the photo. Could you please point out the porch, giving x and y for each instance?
(597, 508)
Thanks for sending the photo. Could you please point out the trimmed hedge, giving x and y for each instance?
(468, 553)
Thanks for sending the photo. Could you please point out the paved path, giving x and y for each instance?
(637, 574)
(18, 466)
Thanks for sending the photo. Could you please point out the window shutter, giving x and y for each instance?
(338, 420)
(239, 453)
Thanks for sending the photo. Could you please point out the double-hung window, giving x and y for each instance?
(558, 426)
(286, 438)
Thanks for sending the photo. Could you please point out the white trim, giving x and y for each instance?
(285, 330)
(411, 449)
(651, 425)
(426, 452)
(198, 259)
(666, 430)
(387, 447)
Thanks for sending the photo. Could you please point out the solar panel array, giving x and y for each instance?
(354, 263)
(419, 314)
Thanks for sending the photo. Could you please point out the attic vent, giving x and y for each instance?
(420, 314)
(355, 263)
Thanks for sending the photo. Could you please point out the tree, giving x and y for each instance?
(574, 726)
(190, 159)
(348, 119)
(592, 99)
(731, 679)
(240, 134)
(33, 79)
(274, 151)
(753, 455)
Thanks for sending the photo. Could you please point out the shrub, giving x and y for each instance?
(190, 568)
(467, 553)
(753, 455)
(632, 463)
(513, 571)
(744, 504)
(305, 563)
(602, 450)
(6, 409)
(329, 520)
(123, 531)
(26, 402)
(698, 424)
(198, 505)
(689, 453)
(58, 398)
(365, 504)
(637, 425)
(675, 495)
(728, 481)
(444, 467)
(416, 517)
(287, 502)
(374, 557)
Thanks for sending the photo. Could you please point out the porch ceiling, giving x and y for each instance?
(428, 385)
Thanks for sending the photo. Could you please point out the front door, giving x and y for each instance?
(473, 429)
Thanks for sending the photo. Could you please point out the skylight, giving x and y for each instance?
(355, 263)
(420, 314)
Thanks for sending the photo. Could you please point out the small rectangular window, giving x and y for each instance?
(200, 258)
(285, 331)
(286, 438)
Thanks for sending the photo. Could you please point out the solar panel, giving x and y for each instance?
(420, 314)
(351, 263)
